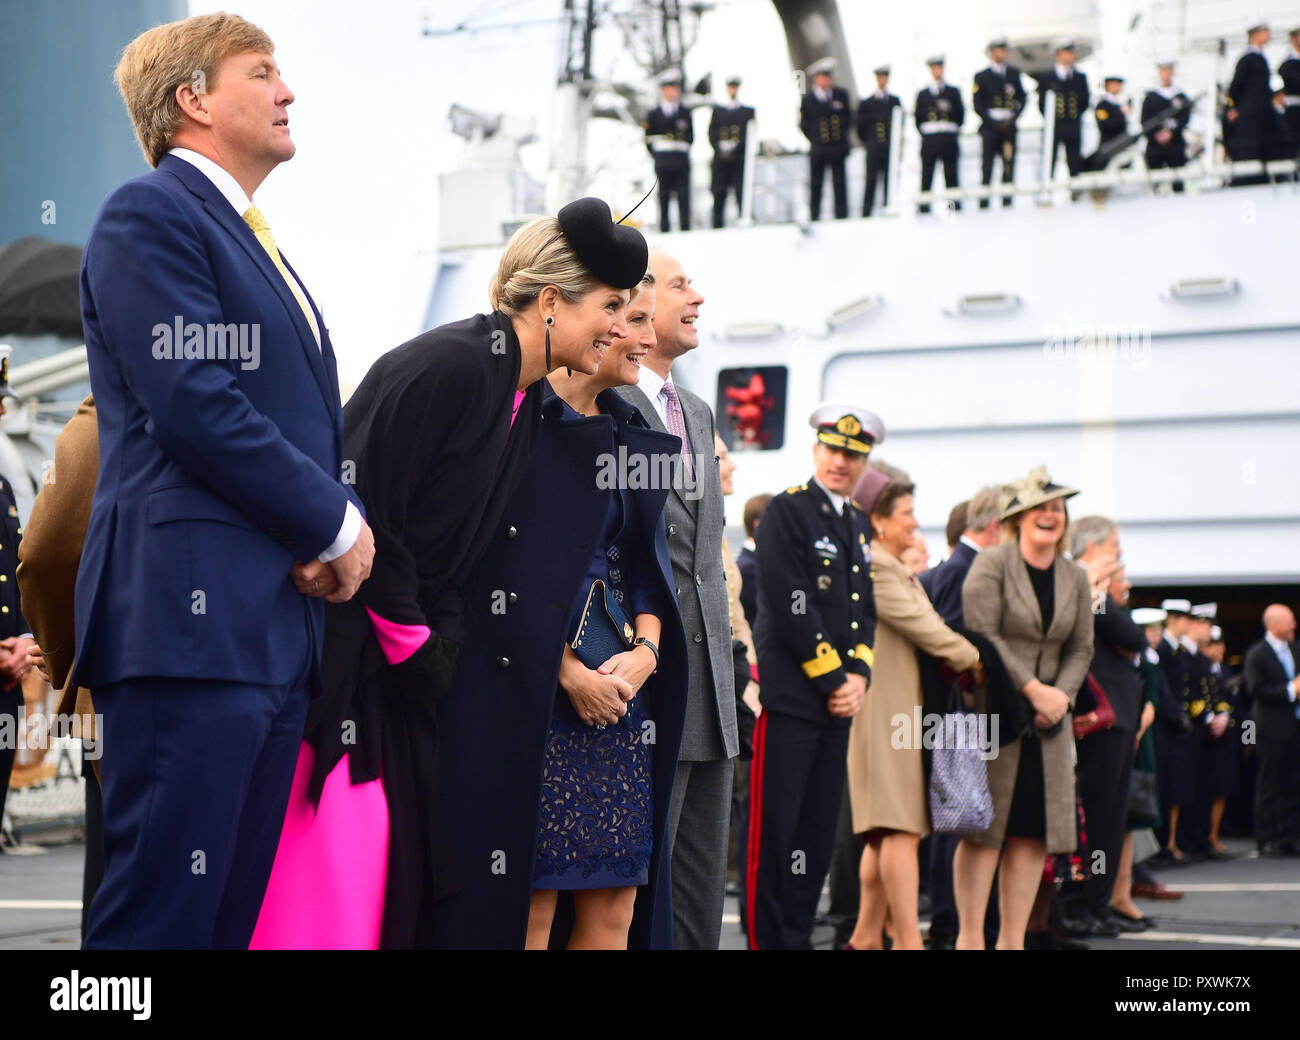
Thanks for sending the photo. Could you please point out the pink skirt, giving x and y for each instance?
(327, 885)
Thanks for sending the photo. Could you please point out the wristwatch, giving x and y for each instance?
(643, 641)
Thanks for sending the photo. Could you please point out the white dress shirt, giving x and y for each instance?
(836, 500)
(230, 190)
(964, 540)
(652, 384)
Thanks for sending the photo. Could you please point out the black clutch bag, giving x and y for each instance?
(604, 629)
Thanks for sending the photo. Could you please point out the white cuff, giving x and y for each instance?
(347, 537)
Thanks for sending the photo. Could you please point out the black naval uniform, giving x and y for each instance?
(816, 623)
(669, 137)
(1218, 756)
(12, 623)
(1071, 103)
(1175, 766)
(1112, 120)
(1200, 693)
(728, 130)
(826, 125)
(1174, 154)
(1289, 70)
(998, 98)
(939, 118)
(875, 120)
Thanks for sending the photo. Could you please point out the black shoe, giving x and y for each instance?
(1077, 927)
(1104, 926)
(1219, 855)
(940, 942)
(1126, 924)
(1289, 849)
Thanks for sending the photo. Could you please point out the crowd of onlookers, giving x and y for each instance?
(1128, 742)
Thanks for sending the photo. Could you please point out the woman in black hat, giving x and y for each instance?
(435, 439)
(570, 758)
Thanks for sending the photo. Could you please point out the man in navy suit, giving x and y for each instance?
(943, 585)
(220, 518)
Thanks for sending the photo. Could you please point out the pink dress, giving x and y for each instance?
(326, 890)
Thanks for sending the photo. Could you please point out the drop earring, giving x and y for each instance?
(548, 343)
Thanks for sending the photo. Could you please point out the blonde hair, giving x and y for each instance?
(167, 56)
(536, 256)
(1011, 527)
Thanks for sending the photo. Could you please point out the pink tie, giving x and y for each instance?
(677, 423)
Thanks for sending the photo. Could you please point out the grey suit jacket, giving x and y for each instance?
(694, 521)
(998, 601)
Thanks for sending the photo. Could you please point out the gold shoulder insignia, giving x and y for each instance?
(796, 489)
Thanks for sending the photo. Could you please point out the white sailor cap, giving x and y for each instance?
(997, 41)
(733, 80)
(881, 70)
(1166, 63)
(934, 59)
(1205, 611)
(847, 426)
(1216, 634)
(1261, 24)
(1145, 617)
(1064, 43)
(823, 66)
(669, 78)
(1177, 606)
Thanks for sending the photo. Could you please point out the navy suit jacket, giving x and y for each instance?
(943, 584)
(215, 476)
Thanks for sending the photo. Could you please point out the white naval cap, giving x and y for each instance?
(1177, 606)
(1145, 617)
(669, 78)
(934, 59)
(1205, 611)
(823, 65)
(847, 426)
(1166, 63)
(1216, 634)
(1064, 43)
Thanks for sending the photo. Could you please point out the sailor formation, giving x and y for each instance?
(1260, 120)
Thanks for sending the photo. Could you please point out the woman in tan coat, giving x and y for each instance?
(1035, 606)
(886, 777)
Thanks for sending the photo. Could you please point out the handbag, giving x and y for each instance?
(1104, 713)
(603, 629)
(960, 802)
(1143, 800)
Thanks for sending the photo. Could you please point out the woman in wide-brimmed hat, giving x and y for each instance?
(1035, 606)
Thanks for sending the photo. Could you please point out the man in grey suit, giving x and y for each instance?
(700, 813)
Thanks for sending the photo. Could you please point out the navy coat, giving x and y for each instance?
(943, 583)
(494, 723)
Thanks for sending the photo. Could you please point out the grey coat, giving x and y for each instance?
(998, 601)
(694, 521)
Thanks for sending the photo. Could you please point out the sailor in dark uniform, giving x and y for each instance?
(939, 115)
(1221, 738)
(1166, 148)
(815, 637)
(1111, 111)
(875, 123)
(1070, 88)
(1289, 70)
(728, 130)
(14, 635)
(668, 136)
(998, 97)
(1174, 730)
(1249, 122)
(824, 118)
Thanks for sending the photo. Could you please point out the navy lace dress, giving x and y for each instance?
(596, 814)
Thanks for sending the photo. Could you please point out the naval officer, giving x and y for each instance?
(668, 136)
(815, 636)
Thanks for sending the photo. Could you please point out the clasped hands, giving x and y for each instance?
(1050, 704)
(600, 696)
(846, 699)
(338, 580)
(13, 660)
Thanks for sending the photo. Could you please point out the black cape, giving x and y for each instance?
(429, 444)
(495, 721)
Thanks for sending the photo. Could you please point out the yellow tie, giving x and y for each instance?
(254, 219)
